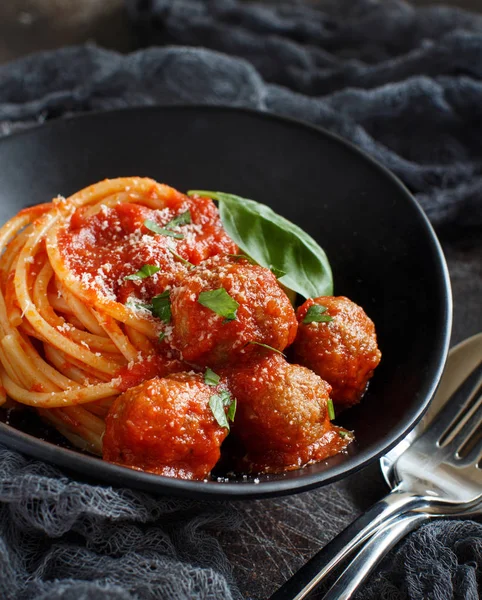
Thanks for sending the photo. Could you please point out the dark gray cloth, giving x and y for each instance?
(403, 84)
(104, 542)
(441, 560)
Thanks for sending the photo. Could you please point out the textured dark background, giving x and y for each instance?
(276, 536)
(30, 25)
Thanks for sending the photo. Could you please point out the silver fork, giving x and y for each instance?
(457, 435)
(438, 473)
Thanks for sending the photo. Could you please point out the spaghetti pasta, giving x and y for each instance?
(64, 340)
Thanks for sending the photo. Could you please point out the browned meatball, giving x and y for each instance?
(343, 351)
(165, 426)
(282, 418)
(262, 312)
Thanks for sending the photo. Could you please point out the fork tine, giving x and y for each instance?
(458, 430)
(467, 436)
(454, 408)
(475, 455)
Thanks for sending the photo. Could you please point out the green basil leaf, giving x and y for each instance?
(145, 271)
(182, 219)
(268, 347)
(161, 306)
(154, 227)
(278, 273)
(232, 410)
(217, 408)
(274, 242)
(210, 377)
(218, 402)
(245, 256)
(220, 302)
(315, 315)
(225, 397)
(331, 409)
(179, 257)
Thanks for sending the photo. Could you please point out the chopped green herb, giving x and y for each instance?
(331, 409)
(161, 306)
(162, 335)
(217, 404)
(145, 271)
(225, 397)
(182, 219)
(217, 408)
(134, 304)
(210, 377)
(248, 258)
(315, 314)
(267, 347)
(183, 260)
(344, 434)
(154, 227)
(220, 302)
(232, 410)
(278, 273)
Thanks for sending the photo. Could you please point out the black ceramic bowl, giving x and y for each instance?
(383, 252)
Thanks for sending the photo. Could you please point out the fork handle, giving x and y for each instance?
(372, 553)
(343, 545)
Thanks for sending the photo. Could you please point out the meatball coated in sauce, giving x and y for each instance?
(282, 418)
(342, 351)
(264, 314)
(165, 426)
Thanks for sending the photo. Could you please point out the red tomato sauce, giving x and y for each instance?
(148, 368)
(103, 248)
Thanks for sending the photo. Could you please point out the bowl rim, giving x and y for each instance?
(104, 473)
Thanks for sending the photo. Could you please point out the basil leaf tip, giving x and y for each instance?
(331, 409)
(180, 258)
(182, 219)
(218, 403)
(316, 314)
(220, 302)
(278, 273)
(217, 408)
(275, 243)
(155, 228)
(232, 410)
(267, 347)
(161, 306)
(145, 271)
(245, 256)
(210, 377)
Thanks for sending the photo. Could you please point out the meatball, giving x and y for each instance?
(165, 426)
(282, 419)
(343, 351)
(263, 313)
